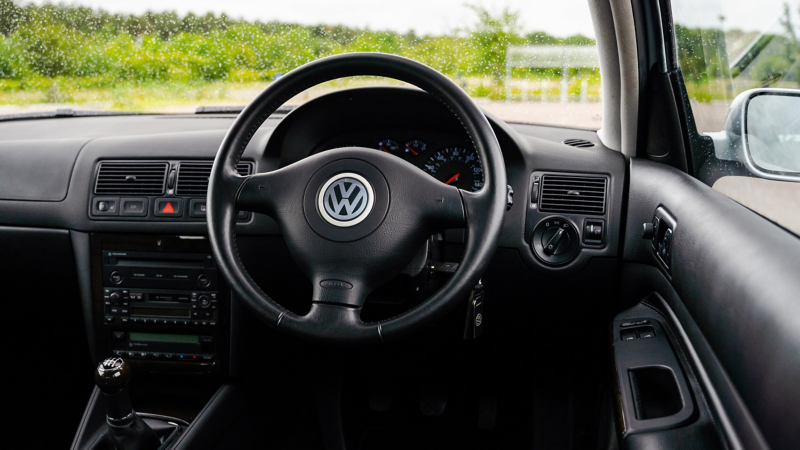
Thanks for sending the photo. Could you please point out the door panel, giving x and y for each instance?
(734, 290)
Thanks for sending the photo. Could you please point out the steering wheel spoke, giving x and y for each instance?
(259, 193)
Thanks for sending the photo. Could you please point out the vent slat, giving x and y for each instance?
(590, 197)
(193, 177)
(131, 178)
(580, 143)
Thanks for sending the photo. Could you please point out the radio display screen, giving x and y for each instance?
(161, 312)
(135, 336)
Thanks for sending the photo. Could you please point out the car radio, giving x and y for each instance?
(160, 288)
(160, 307)
(162, 304)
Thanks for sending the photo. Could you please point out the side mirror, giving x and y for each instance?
(762, 131)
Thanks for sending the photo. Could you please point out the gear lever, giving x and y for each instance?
(126, 429)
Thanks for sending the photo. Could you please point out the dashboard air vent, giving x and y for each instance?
(580, 143)
(573, 194)
(193, 177)
(131, 178)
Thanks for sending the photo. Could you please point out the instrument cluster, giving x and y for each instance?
(450, 161)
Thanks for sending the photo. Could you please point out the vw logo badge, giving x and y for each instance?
(346, 199)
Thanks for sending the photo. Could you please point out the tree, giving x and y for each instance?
(491, 37)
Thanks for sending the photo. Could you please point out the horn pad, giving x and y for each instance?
(346, 200)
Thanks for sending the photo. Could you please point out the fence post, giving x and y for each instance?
(584, 90)
(508, 79)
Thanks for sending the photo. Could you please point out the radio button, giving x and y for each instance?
(204, 301)
(203, 280)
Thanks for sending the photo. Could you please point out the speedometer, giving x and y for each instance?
(457, 167)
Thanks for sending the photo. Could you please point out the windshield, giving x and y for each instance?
(525, 61)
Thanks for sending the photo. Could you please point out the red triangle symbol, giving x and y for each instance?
(168, 208)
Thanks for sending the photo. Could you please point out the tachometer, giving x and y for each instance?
(456, 166)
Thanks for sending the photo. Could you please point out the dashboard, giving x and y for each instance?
(130, 191)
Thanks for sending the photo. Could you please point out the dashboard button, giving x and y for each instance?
(133, 206)
(197, 207)
(105, 206)
(168, 207)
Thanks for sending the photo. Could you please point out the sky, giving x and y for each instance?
(557, 17)
(747, 15)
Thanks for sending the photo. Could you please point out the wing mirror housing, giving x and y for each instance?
(762, 131)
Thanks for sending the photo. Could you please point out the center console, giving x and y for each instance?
(159, 302)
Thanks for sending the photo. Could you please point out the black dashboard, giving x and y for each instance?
(131, 188)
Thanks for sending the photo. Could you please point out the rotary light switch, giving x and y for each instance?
(555, 241)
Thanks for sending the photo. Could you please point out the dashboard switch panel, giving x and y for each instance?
(664, 232)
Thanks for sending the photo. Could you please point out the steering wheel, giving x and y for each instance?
(353, 218)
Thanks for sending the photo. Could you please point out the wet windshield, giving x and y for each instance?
(525, 61)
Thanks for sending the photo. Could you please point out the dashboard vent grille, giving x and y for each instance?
(193, 177)
(580, 143)
(131, 178)
(573, 193)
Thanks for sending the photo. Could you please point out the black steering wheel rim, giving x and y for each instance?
(334, 317)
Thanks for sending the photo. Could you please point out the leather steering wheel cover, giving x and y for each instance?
(484, 210)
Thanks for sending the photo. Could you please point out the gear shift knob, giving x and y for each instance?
(112, 376)
(126, 429)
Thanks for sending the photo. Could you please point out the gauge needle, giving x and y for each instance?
(412, 150)
(387, 151)
(453, 178)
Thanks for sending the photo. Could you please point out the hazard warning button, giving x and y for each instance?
(168, 207)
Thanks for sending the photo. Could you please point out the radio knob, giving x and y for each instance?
(204, 301)
(114, 297)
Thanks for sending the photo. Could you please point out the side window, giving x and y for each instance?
(740, 62)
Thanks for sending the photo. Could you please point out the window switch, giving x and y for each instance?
(646, 332)
(628, 335)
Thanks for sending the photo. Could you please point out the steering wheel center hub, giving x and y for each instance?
(346, 199)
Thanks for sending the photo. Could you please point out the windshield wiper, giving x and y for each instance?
(283, 110)
(63, 113)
